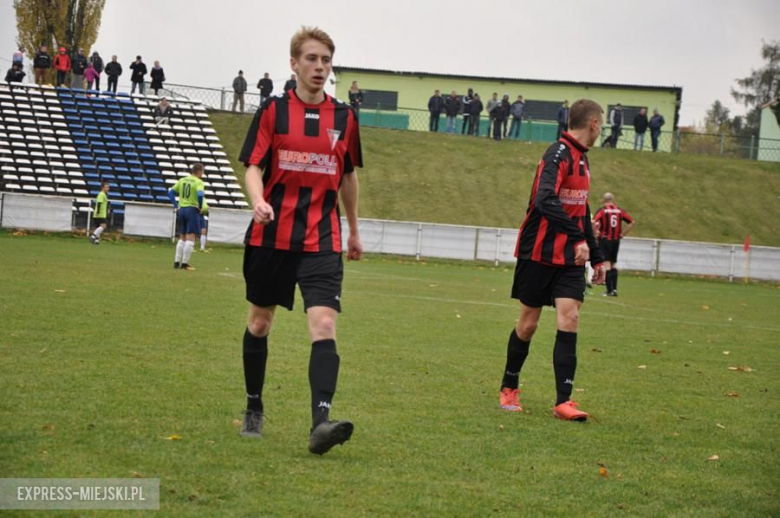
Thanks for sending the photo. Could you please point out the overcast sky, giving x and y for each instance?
(701, 45)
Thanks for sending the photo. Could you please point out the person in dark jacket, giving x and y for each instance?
(15, 74)
(158, 77)
(163, 112)
(655, 124)
(506, 106)
(491, 103)
(239, 88)
(499, 115)
(291, 83)
(466, 101)
(435, 107)
(452, 108)
(266, 86)
(137, 77)
(563, 118)
(355, 97)
(80, 64)
(517, 111)
(97, 64)
(113, 71)
(475, 115)
(41, 65)
(61, 64)
(615, 126)
(640, 127)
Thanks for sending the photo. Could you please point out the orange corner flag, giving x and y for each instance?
(746, 246)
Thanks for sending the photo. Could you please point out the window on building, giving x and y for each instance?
(380, 99)
(629, 112)
(542, 110)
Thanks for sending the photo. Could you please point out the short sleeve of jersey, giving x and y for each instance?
(258, 144)
(177, 186)
(626, 216)
(354, 155)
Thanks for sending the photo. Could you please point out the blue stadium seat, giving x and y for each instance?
(122, 170)
(124, 178)
(158, 188)
(107, 176)
(146, 197)
(127, 186)
(160, 198)
(130, 196)
(144, 147)
(112, 145)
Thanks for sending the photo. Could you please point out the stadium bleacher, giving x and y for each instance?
(58, 141)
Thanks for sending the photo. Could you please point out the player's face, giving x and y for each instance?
(313, 66)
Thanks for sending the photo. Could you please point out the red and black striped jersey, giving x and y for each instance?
(304, 151)
(558, 215)
(610, 218)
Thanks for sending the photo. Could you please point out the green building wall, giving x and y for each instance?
(415, 90)
(769, 136)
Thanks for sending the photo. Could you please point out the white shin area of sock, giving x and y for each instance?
(188, 247)
(202, 242)
(179, 250)
(98, 231)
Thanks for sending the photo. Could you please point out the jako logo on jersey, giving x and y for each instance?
(313, 116)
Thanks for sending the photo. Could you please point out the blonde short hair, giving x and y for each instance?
(310, 33)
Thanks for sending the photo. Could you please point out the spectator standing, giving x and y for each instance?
(163, 112)
(499, 116)
(239, 88)
(291, 83)
(79, 67)
(41, 65)
(97, 63)
(563, 118)
(137, 77)
(15, 74)
(113, 71)
(355, 98)
(266, 86)
(62, 66)
(475, 116)
(506, 107)
(518, 112)
(435, 107)
(158, 77)
(91, 75)
(18, 58)
(656, 123)
(466, 101)
(615, 126)
(452, 108)
(492, 103)
(640, 127)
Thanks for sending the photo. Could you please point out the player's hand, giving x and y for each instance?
(354, 248)
(599, 274)
(581, 254)
(263, 213)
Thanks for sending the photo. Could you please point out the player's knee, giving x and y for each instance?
(525, 330)
(259, 325)
(324, 327)
(570, 320)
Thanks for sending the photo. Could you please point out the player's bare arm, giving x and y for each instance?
(627, 229)
(349, 198)
(263, 213)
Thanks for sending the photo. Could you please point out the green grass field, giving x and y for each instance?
(107, 352)
(437, 178)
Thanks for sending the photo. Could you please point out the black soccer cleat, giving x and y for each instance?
(328, 434)
(252, 426)
(176, 266)
(185, 266)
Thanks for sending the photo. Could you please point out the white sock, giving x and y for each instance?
(179, 250)
(98, 231)
(188, 247)
(202, 242)
(589, 269)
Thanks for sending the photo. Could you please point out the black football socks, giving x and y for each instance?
(564, 364)
(516, 353)
(614, 278)
(255, 358)
(323, 376)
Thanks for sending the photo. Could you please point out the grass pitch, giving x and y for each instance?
(108, 355)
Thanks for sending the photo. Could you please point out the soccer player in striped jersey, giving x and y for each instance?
(191, 191)
(608, 224)
(555, 241)
(100, 214)
(301, 152)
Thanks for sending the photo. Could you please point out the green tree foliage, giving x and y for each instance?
(760, 87)
(57, 23)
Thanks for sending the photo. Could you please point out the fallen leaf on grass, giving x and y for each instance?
(714, 457)
(236, 422)
(137, 475)
(603, 471)
(500, 427)
(43, 350)
(643, 367)
(457, 315)
(20, 233)
(720, 426)
(60, 291)
(705, 307)
(173, 437)
(732, 394)
(655, 351)
(579, 390)
(48, 426)
(741, 368)
(726, 352)
(596, 350)
(433, 285)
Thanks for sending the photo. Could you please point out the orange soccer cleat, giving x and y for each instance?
(509, 399)
(568, 412)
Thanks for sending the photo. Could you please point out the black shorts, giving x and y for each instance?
(538, 284)
(271, 276)
(610, 247)
(99, 221)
